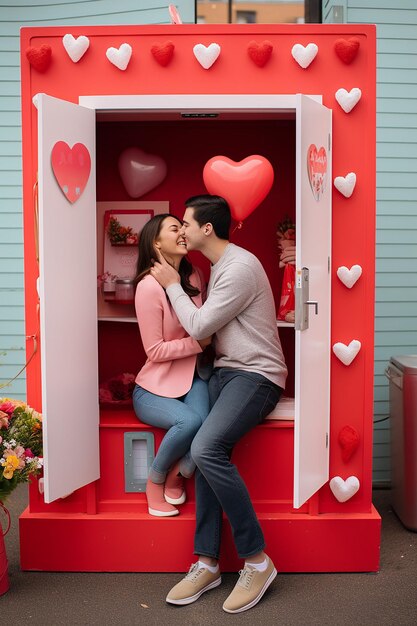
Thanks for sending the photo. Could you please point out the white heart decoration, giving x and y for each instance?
(120, 57)
(76, 48)
(345, 353)
(349, 276)
(344, 489)
(35, 100)
(348, 99)
(304, 55)
(206, 56)
(346, 184)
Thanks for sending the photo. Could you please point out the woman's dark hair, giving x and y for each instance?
(147, 255)
(213, 209)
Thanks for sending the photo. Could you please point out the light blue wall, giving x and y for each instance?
(12, 17)
(396, 277)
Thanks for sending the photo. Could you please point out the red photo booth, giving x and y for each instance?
(302, 97)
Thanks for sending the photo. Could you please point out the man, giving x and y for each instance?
(246, 384)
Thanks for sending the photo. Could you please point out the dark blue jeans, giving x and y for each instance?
(239, 400)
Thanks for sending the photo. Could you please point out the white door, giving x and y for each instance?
(313, 253)
(68, 295)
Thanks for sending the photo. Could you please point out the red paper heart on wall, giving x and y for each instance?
(260, 53)
(244, 184)
(347, 49)
(348, 441)
(163, 53)
(71, 168)
(39, 58)
(317, 170)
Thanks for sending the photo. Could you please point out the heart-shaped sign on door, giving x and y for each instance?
(71, 168)
(317, 170)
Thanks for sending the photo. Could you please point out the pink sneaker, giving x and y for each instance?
(174, 487)
(157, 504)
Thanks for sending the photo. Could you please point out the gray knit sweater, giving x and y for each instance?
(240, 311)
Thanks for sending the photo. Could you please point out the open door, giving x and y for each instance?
(68, 295)
(313, 298)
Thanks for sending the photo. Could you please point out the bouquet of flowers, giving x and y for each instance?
(106, 281)
(20, 444)
(286, 245)
(120, 235)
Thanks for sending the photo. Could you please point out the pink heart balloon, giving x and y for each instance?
(243, 184)
(140, 171)
(71, 168)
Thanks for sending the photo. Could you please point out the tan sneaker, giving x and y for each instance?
(250, 588)
(196, 582)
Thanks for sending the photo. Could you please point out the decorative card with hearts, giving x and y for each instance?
(317, 170)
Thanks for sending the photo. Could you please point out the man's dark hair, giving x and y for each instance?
(213, 209)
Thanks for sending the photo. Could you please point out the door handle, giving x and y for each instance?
(315, 304)
(301, 298)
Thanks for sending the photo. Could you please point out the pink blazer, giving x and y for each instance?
(171, 352)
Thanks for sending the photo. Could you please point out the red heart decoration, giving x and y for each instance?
(347, 49)
(71, 167)
(163, 53)
(39, 58)
(243, 184)
(260, 53)
(317, 170)
(349, 442)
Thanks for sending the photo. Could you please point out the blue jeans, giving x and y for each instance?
(240, 400)
(181, 417)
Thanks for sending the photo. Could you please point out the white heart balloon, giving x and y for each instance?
(76, 48)
(120, 57)
(304, 55)
(349, 276)
(206, 56)
(344, 489)
(345, 353)
(348, 99)
(345, 184)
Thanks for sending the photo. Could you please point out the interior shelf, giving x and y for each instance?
(283, 324)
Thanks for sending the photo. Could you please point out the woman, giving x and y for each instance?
(168, 394)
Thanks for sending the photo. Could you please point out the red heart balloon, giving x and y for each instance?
(39, 58)
(243, 184)
(163, 53)
(260, 53)
(317, 170)
(347, 49)
(71, 168)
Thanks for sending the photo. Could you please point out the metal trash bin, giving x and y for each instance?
(402, 375)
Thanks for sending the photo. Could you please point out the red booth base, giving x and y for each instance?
(110, 542)
(103, 528)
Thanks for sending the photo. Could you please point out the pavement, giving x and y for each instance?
(60, 598)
